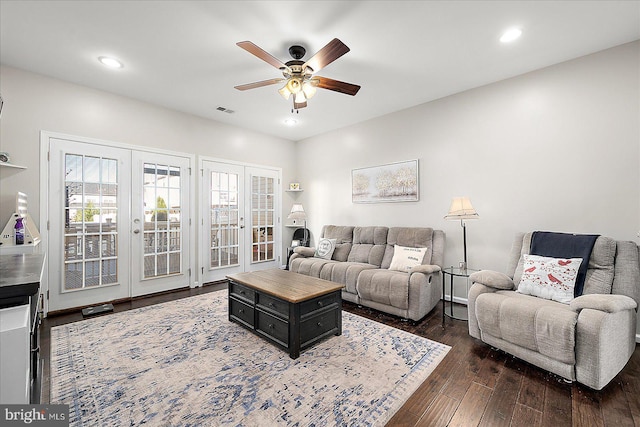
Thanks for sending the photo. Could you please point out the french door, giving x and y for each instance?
(238, 219)
(118, 223)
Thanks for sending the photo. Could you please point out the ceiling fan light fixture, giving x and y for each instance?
(285, 92)
(294, 85)
(309, 90)
(299, 98)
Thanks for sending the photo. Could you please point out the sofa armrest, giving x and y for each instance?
(492, 279)
(603, 302)
(425, 269)
(304, 251)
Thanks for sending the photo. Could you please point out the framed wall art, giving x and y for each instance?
(393, 182)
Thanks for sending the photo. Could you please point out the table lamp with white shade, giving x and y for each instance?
(298, 213)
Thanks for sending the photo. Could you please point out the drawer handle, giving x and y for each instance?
(272, 304)
(242, 293)
(35, 350)
(320, 303)
(241, 310)
(320, 324)
(270, 325)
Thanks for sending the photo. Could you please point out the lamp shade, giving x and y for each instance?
(297, 212)
(461, 208)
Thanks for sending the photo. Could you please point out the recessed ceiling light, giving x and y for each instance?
(290, 122)
(110, 62)
(511, 35)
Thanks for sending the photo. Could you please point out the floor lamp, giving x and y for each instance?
(462, 209)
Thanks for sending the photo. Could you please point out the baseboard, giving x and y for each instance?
(457, 300)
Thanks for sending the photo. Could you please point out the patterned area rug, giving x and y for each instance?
(182, 363)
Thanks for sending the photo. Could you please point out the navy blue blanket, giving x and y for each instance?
(564, 245)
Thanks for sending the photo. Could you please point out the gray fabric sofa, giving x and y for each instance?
(588, 340)
(361, 262)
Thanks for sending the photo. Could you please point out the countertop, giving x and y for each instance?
(20, 274)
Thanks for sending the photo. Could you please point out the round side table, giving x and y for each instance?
(454, 312)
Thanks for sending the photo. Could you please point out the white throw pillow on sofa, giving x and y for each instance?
(404, 258)
(549, 278)
(325, 248)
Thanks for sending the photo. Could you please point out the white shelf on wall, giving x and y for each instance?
(11, 165)
(294, 191)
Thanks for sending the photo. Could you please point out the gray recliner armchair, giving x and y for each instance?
(588, 340)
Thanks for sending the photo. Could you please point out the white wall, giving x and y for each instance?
(557, 149)
(33, 103)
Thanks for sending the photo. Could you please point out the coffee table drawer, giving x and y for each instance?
(276, 329)
(273, 304)
(241, 311)
(319, 303)
(242, 292)
(316, 326)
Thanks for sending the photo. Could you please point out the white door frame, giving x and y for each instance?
(45, 137)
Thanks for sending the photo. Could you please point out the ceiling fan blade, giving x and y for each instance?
(336, 85)
(325, 56)
(262, 54)
(259, 84)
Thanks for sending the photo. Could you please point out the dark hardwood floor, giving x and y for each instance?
(474, 385)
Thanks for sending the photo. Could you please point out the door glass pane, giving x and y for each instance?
(162, 220)
(90, 251)
(262, 218)
(224, 215)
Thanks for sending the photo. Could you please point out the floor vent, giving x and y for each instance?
(98, 309)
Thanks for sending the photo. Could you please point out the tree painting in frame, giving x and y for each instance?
(394, 182)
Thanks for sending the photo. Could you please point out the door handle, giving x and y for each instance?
(136, 231)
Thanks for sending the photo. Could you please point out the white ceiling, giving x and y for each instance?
(183, 55)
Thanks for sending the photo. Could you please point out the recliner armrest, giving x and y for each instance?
(304, 251)
(602, 302)
(492, 279)
(426, 269)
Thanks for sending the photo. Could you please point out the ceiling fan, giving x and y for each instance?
(298, 75)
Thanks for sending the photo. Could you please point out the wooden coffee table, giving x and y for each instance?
(291, 310)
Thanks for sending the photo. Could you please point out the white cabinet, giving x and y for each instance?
(14, 355)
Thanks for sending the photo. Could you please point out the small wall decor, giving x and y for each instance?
(394, 182)
(294, 186)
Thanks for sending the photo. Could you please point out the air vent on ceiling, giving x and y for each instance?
(225, 110)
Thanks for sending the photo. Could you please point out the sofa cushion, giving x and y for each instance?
(405, 258)
(345, 273)
(549, 278)
(384, 287)
(368, 245)
(540, 325)
(344, 237)
(412, 237)
(599, 279)
(309, 266)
